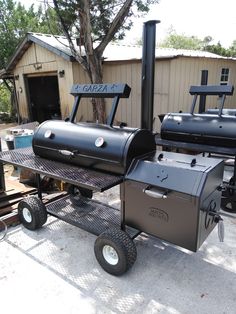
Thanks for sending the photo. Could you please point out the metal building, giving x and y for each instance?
(44, 71)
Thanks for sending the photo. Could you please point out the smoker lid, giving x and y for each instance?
(177, 172)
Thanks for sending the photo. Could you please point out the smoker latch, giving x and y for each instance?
(153, 192)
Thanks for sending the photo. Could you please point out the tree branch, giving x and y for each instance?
(115, 25)
(85, 26)
(79, 58)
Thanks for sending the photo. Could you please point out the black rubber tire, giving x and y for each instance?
(228, 199)
(124, 246)
(37, 210)
(228, 206)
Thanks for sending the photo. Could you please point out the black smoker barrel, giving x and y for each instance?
(92, 145)
(208, 129)
(205, 129)
(97, 146)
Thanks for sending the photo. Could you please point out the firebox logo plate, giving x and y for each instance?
(158, 213)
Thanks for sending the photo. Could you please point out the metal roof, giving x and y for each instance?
(56, 44)
(113, 52)
(5, 74)
(117, 52)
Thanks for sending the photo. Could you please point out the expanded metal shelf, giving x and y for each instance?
(90, 215)
(84, 177)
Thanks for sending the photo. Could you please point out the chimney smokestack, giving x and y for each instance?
(148, 71)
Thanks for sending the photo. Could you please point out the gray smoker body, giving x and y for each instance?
(174, 197)
(96, 146)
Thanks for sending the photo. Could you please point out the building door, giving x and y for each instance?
(43, 98)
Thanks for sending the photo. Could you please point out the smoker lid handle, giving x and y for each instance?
(66, 153)
(153, 192)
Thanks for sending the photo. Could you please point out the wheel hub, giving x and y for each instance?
(27, 215)
(110, 255)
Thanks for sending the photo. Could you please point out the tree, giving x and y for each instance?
(232, 49)
(218, 49)
(16, 21)
(4, 99)
(174, 40)
(96, 23)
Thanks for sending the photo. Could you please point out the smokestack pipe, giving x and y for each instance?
(148, 71)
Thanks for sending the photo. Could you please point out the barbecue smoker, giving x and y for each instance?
(174, 197)
(215, 129)
(213, 132)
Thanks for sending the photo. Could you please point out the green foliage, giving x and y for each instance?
(232, 49)
(102, 13)
(5, 99)
(49, 23)
(218, 49)
(174, 40)
(16, 21)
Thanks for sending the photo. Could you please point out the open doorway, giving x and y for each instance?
(43, 98)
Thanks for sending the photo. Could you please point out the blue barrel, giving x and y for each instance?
(22, 141)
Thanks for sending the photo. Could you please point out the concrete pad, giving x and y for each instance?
(54, 270)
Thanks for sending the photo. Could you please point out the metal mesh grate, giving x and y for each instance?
(89, 215)
(25, 158)
(92, 216)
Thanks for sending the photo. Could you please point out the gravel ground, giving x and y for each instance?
(54, 270)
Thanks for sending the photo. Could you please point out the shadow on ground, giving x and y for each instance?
(164, 279)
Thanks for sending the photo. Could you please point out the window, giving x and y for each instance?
(224, 77)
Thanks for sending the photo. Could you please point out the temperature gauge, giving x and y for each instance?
(99, 142)
(48, 134)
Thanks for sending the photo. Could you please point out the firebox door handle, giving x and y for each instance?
(155, 193)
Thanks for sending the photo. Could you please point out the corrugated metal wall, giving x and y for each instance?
(130, 73)
(85, 112)
(185, 72)
(173, 78)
